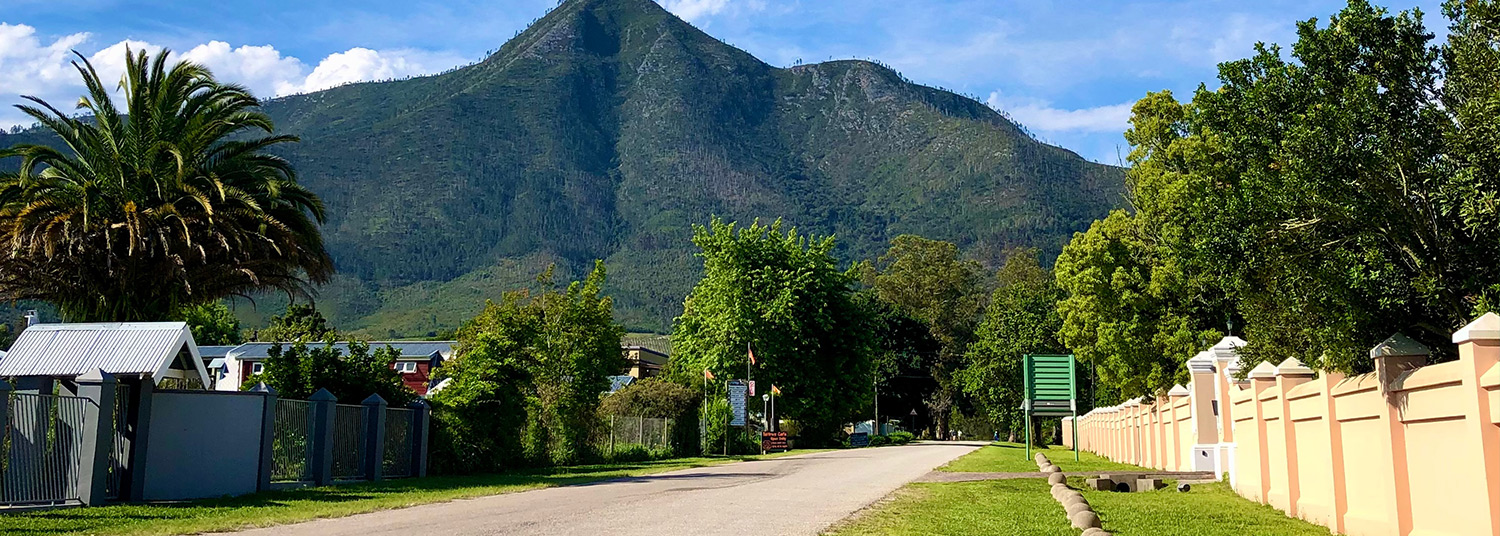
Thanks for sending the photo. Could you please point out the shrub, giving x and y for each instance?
(901, 438)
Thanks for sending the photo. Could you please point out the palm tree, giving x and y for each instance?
(175, 202)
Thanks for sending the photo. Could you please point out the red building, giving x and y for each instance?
(415, 363)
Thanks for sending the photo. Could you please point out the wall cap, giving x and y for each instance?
(1178, 390)
(1399, 345)
(1293, 367)
(323, 395)
(1201, 363)
(1486, 327)
(1227, 349)
(1265, 370)
(96, 376)
(374, 400)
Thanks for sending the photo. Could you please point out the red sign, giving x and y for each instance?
(773, 441)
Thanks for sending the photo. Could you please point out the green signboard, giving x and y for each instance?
(1051, 391)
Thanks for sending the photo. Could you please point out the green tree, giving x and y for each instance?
(780, 292)
(1124, 312)
(1021, 319)
(545, 355)
(1334, 197)
(903, 347)
(299, 370)
(212, 324)
(173, 201)
(928, 280)
(301, 322)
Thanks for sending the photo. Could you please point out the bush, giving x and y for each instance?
(901, 438)
(879, 441)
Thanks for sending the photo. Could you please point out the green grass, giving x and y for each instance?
(1019, 507)
(1210, 509)
(1004, 457)
(291, 506)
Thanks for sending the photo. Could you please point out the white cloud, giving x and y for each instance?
(696, 10)
(1040, 116)
(43, 69)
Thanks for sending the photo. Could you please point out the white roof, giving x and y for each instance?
(129, 348)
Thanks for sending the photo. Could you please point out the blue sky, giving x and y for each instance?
(1067, 70)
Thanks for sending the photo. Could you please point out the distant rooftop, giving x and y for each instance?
(409, 349)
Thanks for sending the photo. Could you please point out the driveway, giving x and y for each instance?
(783, 496)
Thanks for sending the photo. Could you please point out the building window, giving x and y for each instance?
(257, 368)
(406, 367)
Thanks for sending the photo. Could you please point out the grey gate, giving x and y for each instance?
(41, 449)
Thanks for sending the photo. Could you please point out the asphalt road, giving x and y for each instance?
(794, 495)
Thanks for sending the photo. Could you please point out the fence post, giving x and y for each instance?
(611, 435)
(420, 417)
(1289, 374)
(1205, 423)
(323, 405)
(267, 434)
(139, 423)
(1479, 353)
(1262, 377)
(98, 436)
(374, 437)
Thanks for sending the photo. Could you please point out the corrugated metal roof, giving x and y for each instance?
(210, 352)
(116, 348)
(408, 349)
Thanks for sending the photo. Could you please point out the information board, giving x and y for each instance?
(737, 390)
(860, 439)
(773, 441)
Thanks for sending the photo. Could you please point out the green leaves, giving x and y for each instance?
(1021, 319)
(169, 203)
(778, 291)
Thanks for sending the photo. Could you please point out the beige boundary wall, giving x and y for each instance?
(1405, 450)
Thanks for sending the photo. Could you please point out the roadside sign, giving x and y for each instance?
(1051, 390)
(860, 439)
(773, 441)
(737, 391)
(752, 387)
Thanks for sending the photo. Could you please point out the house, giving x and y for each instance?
(643, 362)
(215, 356)
(163, 353)
(415, 362)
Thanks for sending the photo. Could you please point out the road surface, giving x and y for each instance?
(794, 495)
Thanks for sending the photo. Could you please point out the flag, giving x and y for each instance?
(752, 354)
(707, 375)
(775, 391)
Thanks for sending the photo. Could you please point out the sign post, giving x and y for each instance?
(1051, 391)
(737, 392)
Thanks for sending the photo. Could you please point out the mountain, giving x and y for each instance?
(608, 128)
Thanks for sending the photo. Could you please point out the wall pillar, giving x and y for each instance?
(267, 434)
(324, 406)
(1479, 353)
(138, 425)
(374, 437)
(98, 436)
(1205, 421)
(1289, 374)
(1262, 377)
(1393, 358)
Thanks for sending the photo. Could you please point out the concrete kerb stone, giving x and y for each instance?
(1075, 508)
(1094, 531)
(1056, 478)
(1084, 519)
(1149, 484)
(1102, 483)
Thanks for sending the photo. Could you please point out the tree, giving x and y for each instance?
(1021, 319)
(213, 324)
(1125, 313)
(174, 201)
(301, 322)
(928, 280)
(541, 359)
(903, 347)
(1335, 197)
(299, 370)
(780, 293)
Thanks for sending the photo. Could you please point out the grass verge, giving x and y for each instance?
(291, 506)
(1020, 507)
(1210, 509)
(1003, 457)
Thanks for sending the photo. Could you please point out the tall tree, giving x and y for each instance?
(300, 322)
(1021, 319)
(173, 201)
(903, 348)
(779, 292)
(213, 324)
(930, 281)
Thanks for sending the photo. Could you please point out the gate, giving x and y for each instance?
(349, 442)
(119, 453)
(291, 442)
(41, 449)
(398, 438)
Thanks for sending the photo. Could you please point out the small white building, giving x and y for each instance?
(163, 352)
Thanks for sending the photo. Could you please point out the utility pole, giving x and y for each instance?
(875, 424)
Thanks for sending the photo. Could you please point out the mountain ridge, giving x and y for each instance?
(608, 127)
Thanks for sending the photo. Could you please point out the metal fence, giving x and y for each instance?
(41, 449)
(348, 442)
(119, 453)
(624, 432)
(398, 443)
(291, 447)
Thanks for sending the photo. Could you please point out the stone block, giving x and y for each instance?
(1085, 519)
(1056, 478)
(1149, 484)
(1100, 484)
